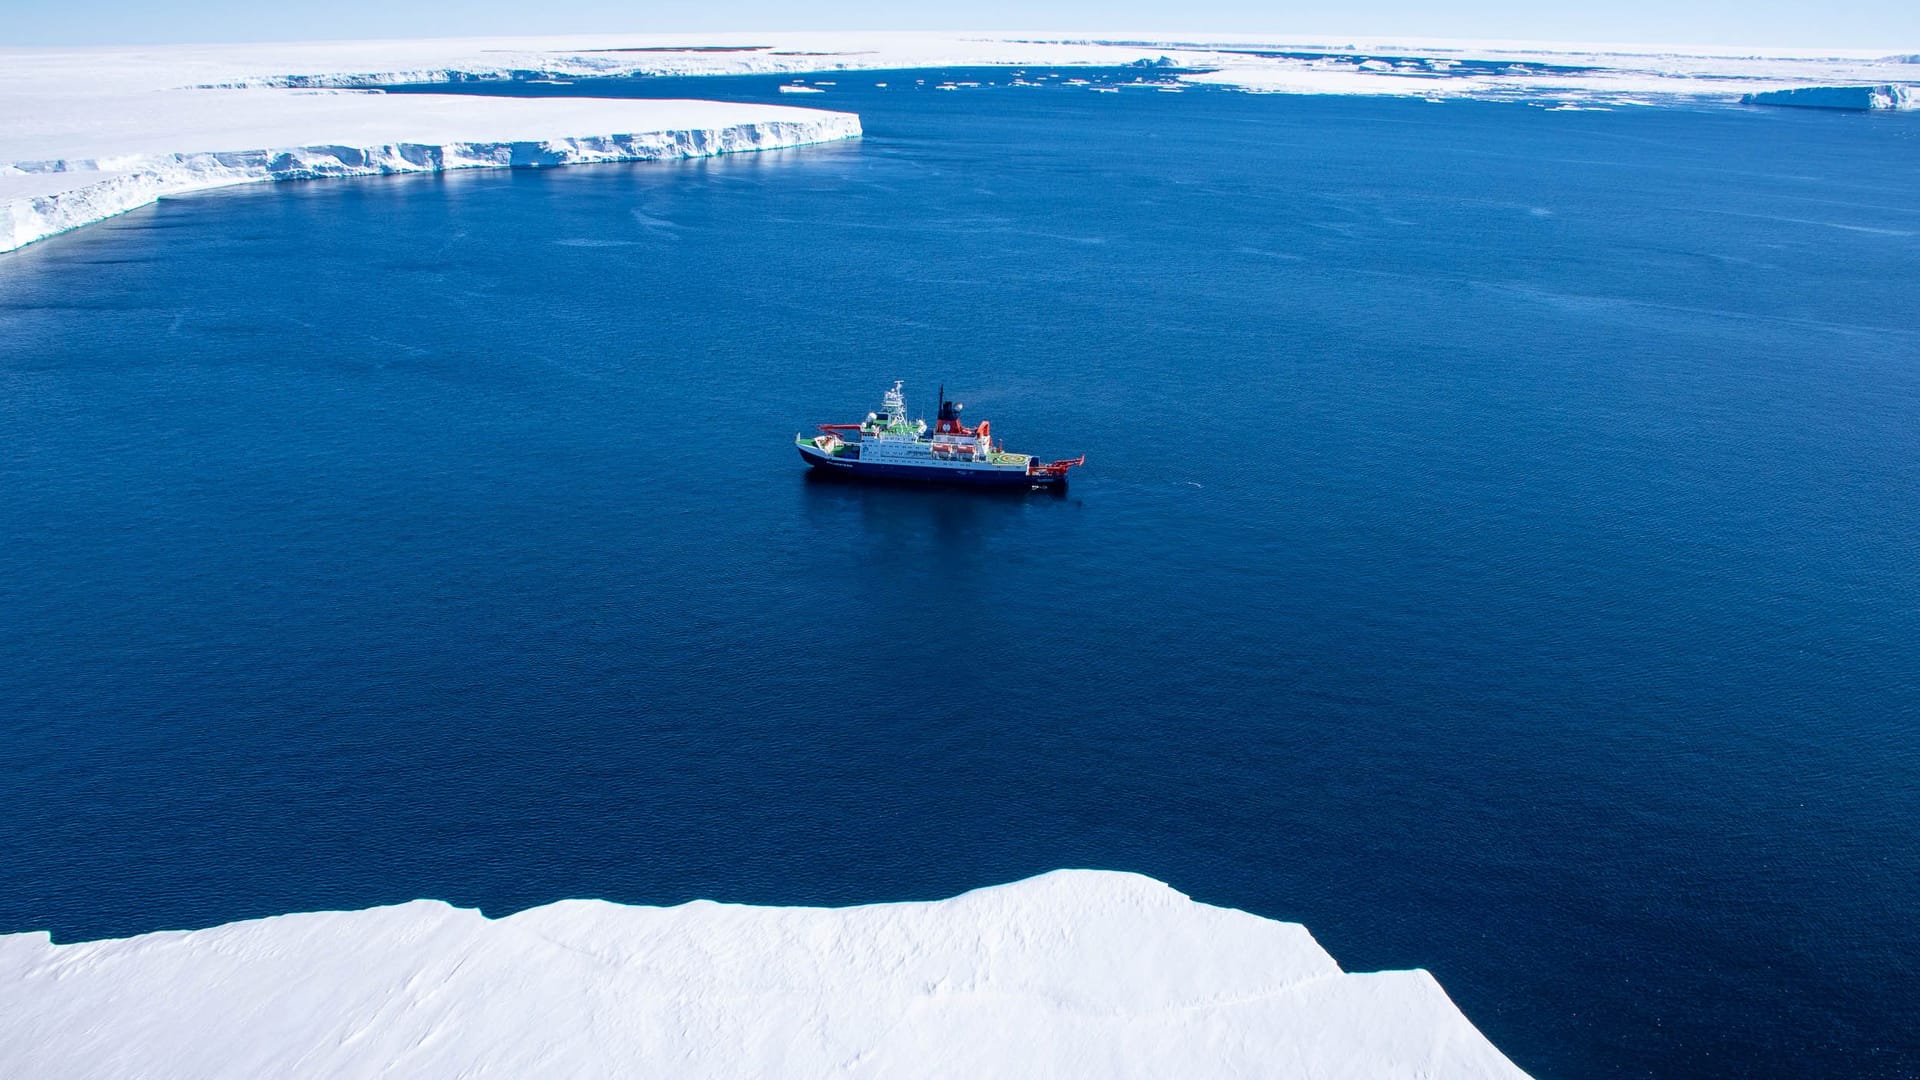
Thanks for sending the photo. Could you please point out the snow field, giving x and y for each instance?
(1074, 973)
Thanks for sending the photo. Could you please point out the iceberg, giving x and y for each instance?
(1884, 96)
(1073, 973)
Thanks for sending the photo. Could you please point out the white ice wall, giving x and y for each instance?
(94, 157)
(41, 198)
(1883, 96)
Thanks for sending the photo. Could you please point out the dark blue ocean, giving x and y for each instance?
(1498, 549)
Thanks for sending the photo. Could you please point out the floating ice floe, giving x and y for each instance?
(1074, 973)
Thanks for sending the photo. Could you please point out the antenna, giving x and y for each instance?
(895, 404)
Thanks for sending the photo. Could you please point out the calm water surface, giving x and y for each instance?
(1496, 549)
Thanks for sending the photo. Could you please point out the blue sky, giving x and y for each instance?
(1890, 24)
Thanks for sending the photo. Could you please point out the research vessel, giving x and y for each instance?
(888, 446)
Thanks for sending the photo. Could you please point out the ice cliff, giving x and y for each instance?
(1884, 96)
(237, 136)
(1074, 973)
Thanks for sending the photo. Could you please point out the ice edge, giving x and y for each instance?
(1072, 973)
(1896, 97)
(103, 190)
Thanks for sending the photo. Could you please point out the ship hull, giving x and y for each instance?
(944, 476)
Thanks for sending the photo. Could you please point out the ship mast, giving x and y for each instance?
(895, 404)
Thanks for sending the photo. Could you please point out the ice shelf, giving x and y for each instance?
(169, 119)
(1883, 96)
(182, 140)
(1073, 973)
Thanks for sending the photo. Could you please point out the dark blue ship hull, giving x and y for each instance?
(855, 469)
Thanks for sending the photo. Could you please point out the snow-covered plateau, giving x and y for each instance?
(1073, 973)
